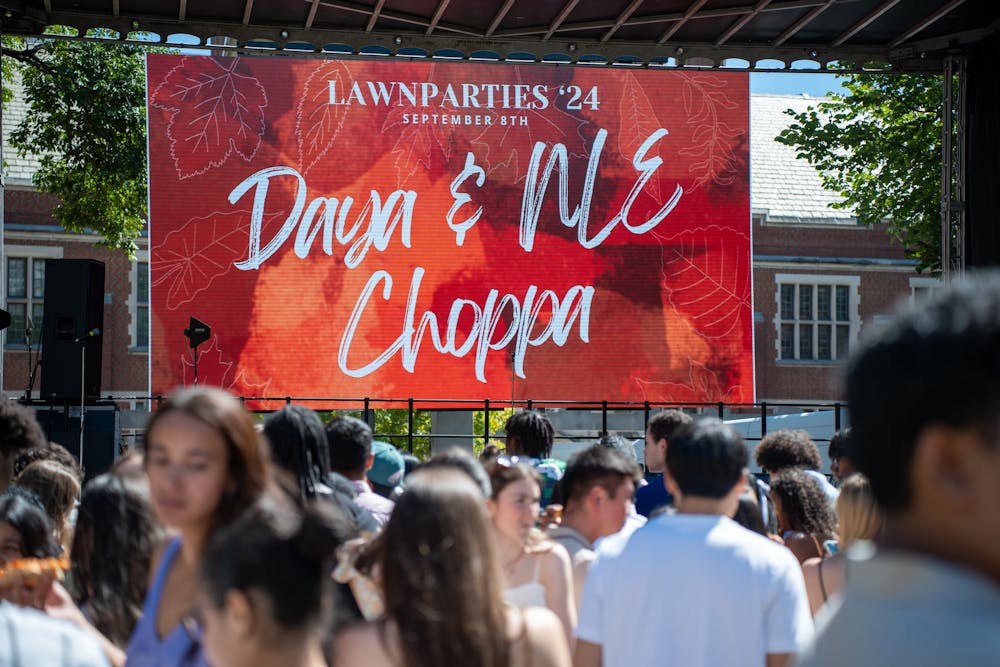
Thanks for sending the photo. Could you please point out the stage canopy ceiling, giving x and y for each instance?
(908, 35)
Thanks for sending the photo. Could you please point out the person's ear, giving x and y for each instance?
(597, 496)
(240, 612)
(943, 467)
(370, 461)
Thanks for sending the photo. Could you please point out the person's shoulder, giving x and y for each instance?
(360, 644)
(43, 637)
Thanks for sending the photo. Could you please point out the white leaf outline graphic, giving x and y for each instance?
(317, 138)
(685, 298)
(713, 138)
(184, 93)
(194, 263)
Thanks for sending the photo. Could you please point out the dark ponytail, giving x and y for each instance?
(281, 552)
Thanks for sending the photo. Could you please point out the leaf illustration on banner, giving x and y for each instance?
(413, 148)
(195, 254)
(706, 272)
(506, 144)
(218, 369)
(701, 385)
(213, 366)
(638, 121)
(317, 122)
(713, 140)
(217, 108)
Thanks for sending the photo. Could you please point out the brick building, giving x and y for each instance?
(820, 279)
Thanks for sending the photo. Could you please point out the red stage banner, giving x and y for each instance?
(450, 230)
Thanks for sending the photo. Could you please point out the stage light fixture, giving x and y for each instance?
(197, 332)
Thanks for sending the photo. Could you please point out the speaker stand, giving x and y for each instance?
(83, 396)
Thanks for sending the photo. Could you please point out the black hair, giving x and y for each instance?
(19, 429)
(840, 445)
(664, 424)
(749, 516)
(936, 364)
(456, 457)
(803, 504)
(25, 513)
(280, 552)
(115, 517)
(531, 433)
(299, 447)
(410, 463)
(707, 459)
(349, 442)
(787, 448)
(595, 466)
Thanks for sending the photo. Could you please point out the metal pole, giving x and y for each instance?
(83, 395)
(953, 168)
(3, 227)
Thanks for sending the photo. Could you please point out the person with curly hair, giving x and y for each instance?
(19, 430)
(788, 448)
(805, 519)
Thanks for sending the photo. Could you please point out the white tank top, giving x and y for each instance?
(531, 594)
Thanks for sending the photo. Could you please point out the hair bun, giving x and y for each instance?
(323, 529)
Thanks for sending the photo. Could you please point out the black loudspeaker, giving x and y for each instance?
(71, 332)
(100, 440)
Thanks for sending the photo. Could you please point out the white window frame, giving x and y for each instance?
(15, 339)
(853, 284)
(133, 306)
(932, 284)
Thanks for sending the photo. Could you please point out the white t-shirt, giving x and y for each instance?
(691, 589)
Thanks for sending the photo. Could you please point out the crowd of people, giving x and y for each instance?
(233, 542)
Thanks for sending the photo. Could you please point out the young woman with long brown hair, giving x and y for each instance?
(441, 581)
(536, 571)
(206, 464)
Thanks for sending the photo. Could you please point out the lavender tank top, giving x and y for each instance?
(180, 647)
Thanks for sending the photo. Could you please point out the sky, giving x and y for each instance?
(789, 83)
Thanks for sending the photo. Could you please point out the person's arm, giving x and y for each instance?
(541, 625)
(810, 572)
(557, 577)
(589, 655)
(779, 659)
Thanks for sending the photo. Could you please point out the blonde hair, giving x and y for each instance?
(859, 516)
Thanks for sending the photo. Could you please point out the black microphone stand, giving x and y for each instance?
(33, 369)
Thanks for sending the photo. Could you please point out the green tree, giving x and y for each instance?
(879, 146)
(86, 120)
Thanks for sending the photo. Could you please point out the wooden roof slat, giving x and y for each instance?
(865, 22)
(624, 16)
(501, 13)
(312, 15)
(691, 11)
(926, 23)
(802, 22)
(570, 5)
(746, 18)
(442, 5)
(375, 13)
